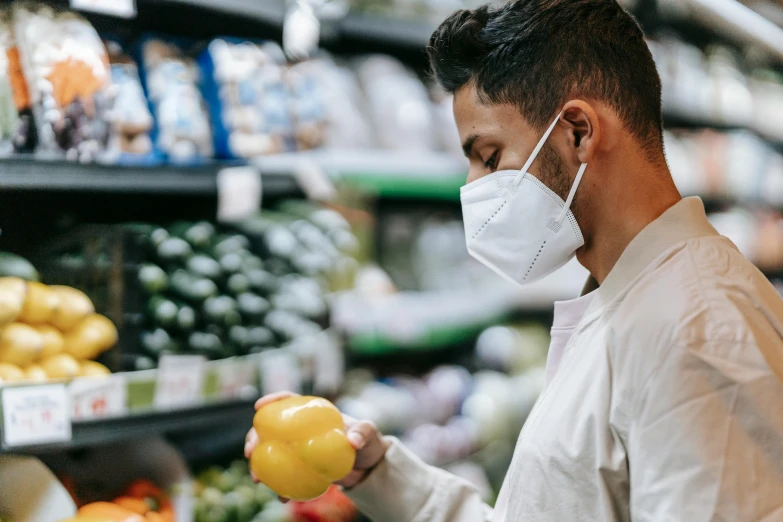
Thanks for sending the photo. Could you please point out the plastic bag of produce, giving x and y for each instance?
(332, 107)
(307, 107)
(245, 84)
(131, 120)
(17, 130)
(182, 131)
(67, 70)
(399, 106)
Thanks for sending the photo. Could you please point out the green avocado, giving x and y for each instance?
(12, 265)
(153, 279)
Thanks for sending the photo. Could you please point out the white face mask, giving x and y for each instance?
(516, 225)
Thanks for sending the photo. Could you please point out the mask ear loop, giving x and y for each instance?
(571, 193)
(535, 152)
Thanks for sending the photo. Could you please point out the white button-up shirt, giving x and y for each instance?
(667, 404)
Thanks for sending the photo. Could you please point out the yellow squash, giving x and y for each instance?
(302, 449)
(92, 369)
(61, 366)
(40, 304)
(10, 373)
(12, 296)
(35, 373)
(20, 344)
(53, 342)
(74, 307)
(91, 337)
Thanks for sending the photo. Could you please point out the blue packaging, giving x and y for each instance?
(246, 86)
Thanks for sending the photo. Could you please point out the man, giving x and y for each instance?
(665, 401)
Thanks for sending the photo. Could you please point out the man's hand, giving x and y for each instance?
(363, 436)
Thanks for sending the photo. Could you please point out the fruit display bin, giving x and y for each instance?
(102, 261)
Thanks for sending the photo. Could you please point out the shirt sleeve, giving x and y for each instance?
(706, 440)
(402, 488)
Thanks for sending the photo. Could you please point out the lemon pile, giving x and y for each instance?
(50, 332)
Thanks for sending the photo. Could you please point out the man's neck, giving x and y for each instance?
(619, 211)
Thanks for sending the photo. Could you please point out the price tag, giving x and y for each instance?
(239, 193)
(329, 364)
(120, 8)
(97, 397)
(279, 371)
(180, 381)
(237, 380)
(36, 415)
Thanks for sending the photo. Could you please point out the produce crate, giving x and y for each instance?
(200, 288)
(102, 261)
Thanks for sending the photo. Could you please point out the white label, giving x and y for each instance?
(36, 415)
(121, 8)
(280, 371)
(314, 181)
(329, 364)
(180, 381)
(239, 193)
(98, 397)
(237, 379)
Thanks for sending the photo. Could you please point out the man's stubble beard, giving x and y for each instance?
(558, 177)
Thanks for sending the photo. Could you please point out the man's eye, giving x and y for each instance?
(491, 162)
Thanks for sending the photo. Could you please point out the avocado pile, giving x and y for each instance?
(229, 495)
(221, 291)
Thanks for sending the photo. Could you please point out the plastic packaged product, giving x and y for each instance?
(335, 106)
(307, 107)
(67, 70)
(733, 101)
(398, 103)
(249, 100)
(182, 130)
(767, 89)
(130, 117)
(445, 123)
(17, 129)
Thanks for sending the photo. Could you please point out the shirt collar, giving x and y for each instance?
(684, 220)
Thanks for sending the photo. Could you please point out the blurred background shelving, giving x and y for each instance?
(275, 223)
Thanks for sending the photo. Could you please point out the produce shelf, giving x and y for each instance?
(27, 174)
(220, 416)
(271, 12)
(380, 172)
(386, 30)
(229, 388)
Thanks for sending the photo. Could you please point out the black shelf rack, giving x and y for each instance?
(29, 174)
(233, 416)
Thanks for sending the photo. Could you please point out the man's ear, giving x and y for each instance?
(584, 129)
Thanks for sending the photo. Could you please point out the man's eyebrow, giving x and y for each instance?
(467, 146)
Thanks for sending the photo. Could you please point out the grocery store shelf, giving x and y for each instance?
(26, 174)
(385, 30)
(131, 405)
(738, 22)
(219, 416)
(428, 321)
(387, 173)
(674, 121)
(269, 11)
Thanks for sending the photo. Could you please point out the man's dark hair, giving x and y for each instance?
(538, 54)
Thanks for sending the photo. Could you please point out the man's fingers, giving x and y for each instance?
(272, 397)
(353, 478)
(361, 433)
(251, 440)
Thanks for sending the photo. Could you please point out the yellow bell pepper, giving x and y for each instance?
(302, 448)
